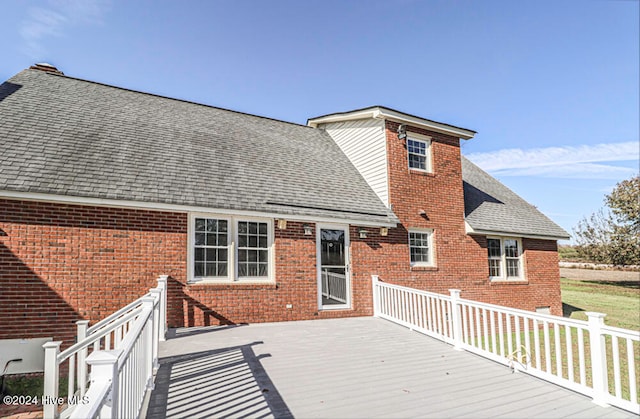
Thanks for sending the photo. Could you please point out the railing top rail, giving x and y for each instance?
(97, 336)
(134, 333)
(621, 333)
(417, 291)
(97, 394)
(524, 313)
(116, 314)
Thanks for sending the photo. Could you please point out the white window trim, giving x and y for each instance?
(232, 235)
(432, 259)
(503, 260)
(423, 139)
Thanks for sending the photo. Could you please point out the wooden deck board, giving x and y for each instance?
(357, 367)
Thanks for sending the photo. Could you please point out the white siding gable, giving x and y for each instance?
(363, 141)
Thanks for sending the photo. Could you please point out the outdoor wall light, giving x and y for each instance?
(307, 229)
(402, 132)
(282, 224)
(384, 231)
(363, 233)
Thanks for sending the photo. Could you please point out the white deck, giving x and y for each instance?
(345, 368)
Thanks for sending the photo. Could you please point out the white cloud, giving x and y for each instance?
(43, 23)
(575, 162)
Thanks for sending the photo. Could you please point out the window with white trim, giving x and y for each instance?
(421, 248)
(419, 149)
(253, 249)
(211, 248)
(505, 258)
(230, 249)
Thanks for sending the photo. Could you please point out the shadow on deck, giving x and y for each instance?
(227, 382)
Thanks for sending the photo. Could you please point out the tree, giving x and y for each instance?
(613, 236)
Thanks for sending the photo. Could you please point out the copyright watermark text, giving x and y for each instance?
(43, 400)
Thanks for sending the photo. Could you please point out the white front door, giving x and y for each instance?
(334, 286)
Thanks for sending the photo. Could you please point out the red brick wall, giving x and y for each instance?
(461, 260)
(61, 263)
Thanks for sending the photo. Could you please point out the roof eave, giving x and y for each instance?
(389, 222)
(484, 232)
(396, 116)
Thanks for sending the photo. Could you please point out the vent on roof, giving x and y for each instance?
(46, 67)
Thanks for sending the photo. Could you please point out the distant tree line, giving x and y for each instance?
(612, 235)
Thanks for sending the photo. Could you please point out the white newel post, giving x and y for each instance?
(51, 373)
(163, 284)
(455, 319)
(598, 358)
(81, 326)
(147, 306)
(157, 295)
(375, 295)
(81, 334)
(104, 366)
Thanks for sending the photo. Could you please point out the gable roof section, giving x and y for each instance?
(492, 208)
(74, 138)
(382, 112)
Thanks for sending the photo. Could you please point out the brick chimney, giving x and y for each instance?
(46, 67)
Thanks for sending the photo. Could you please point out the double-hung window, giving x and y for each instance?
(211, 248)
(253, 249)
(421, 247)
(419, 150)
(230, 249)
(505, 258)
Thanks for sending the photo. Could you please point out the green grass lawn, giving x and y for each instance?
(619, 301)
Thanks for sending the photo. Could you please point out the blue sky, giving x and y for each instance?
(551, 87)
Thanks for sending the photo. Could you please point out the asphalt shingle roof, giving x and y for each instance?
(491, 206)
(65, 136)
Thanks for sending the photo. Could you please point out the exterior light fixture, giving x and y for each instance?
(282, 224)
(402, 132)
(384, 231)
(307, 229)
(363, 233)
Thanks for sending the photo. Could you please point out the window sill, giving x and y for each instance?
(424, 268)
(330, 309)
(421, 172)
(502, 281)
(233, 285)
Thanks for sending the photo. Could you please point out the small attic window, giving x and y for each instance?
(419, 152)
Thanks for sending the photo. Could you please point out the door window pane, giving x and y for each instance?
(332, 247)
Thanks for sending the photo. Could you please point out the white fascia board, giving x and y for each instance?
(383, 113)
(471, 231)
(426, 124)
(116, 203)
(349, 116)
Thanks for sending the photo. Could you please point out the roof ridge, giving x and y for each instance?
(173, 98)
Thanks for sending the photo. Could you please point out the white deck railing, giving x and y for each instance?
(584, 356)
(113, 379)
(334, 286)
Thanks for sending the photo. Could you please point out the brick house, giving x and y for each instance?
(102, 189)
